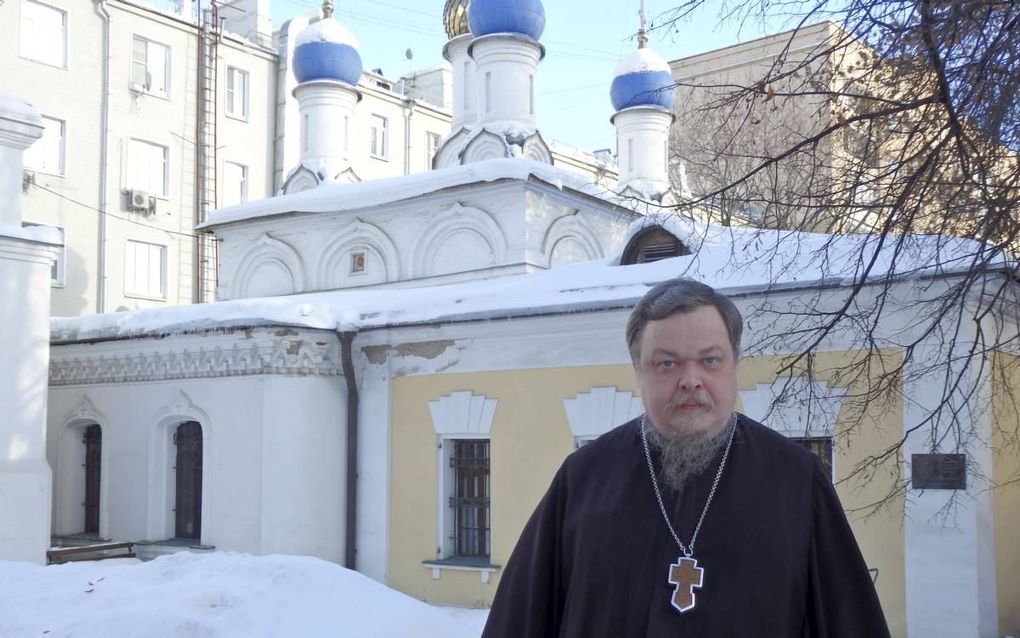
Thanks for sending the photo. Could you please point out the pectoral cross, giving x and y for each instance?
(685, 575)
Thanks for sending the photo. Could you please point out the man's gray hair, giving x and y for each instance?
(679, 296)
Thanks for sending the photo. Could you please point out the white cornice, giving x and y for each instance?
(248, 353)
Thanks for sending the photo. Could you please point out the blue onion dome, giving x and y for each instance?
(326, 50)
(642, 78)
(526, 17)
(455, 18)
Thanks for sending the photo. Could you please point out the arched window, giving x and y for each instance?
(188, 481)
(652, 244)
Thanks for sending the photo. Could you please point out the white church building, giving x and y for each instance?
(394, 368)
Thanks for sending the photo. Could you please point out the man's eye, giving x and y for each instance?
(666, 365)
(711, 361)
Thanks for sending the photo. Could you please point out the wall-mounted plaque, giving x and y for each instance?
(938, 471)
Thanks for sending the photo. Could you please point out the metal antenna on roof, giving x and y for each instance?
(327, 9)
(642, 34)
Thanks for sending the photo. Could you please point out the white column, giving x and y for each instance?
(949, 567)
(506, 66)
(464, 89)
(642, 138)
(327, 120)
(25, 260)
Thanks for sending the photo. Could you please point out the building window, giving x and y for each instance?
(145, 270)
(431, 146)
(235, 183)
(150, 67)
(380, 137)
(237, 93)
(820, 446)
(43, 34)
(57, 270)
(357, 262)
(468, 497)
(148, 167)
(47, 153)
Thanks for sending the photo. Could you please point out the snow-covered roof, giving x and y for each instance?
(734, 261)
(340, 197)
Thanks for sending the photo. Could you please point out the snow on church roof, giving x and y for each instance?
(735, 261)
(340, 197)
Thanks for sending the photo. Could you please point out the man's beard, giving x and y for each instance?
(687, 453)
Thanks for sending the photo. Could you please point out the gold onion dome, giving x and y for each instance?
(455, 17)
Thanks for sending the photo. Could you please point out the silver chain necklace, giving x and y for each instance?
(685, 574)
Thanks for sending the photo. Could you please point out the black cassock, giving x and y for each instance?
(778, 555)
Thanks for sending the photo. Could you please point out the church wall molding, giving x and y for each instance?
(463, 413)
(795, 406)
(455, 219)
(571, 227)
(267, 249)
(359, 235)
(297, 353)
(599, 410)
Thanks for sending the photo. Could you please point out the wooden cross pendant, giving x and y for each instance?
(685, 575)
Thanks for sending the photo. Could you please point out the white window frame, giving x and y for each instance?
(41, 148)
(431, 147)
(58, 271)
(459, 415)
(238, 82)
(379, 144)
(133, 177)
(130, 251)
(29, 47)
(145, 85)
(229, 184)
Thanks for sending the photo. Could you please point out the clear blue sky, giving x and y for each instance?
(584, 40)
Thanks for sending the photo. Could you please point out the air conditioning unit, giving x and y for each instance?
(139, 200)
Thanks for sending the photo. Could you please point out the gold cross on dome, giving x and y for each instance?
(685, 575)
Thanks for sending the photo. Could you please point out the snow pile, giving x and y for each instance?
(221, 594)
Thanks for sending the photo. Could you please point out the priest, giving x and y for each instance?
(691, 520)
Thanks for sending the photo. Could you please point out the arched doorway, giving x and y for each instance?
(188, 481)
(92, 437)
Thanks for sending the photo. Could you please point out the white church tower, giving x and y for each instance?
(26, 257)
(327, 66)
(495, 67)
(643, 94)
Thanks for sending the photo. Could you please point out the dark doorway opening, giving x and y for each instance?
(93, 439)
(188, 481)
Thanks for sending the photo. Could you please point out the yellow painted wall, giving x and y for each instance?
(530, 410)
(1006, 496)
(879, 534)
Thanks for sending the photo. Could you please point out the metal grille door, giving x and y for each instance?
(188, 470)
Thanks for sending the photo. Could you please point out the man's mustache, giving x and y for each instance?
(682, 398)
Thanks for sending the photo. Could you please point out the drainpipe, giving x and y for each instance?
(408, 112)
(104, 153)
(350, 547)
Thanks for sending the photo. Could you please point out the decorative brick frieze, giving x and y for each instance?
(242, 353)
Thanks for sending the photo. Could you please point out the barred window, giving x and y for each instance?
(469, 497)
(820, 446)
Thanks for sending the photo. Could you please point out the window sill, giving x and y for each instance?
(480, 565)
(235, 116)
(62, 67)
(381, 158)
(139, 295)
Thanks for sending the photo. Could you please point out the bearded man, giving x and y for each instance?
(691, 520)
